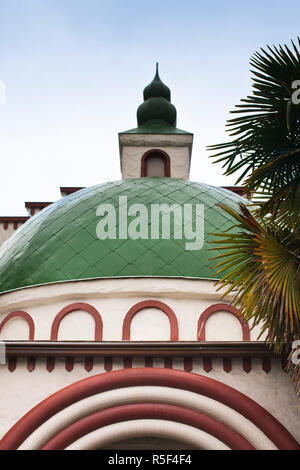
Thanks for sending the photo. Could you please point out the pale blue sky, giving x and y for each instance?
(75, 71)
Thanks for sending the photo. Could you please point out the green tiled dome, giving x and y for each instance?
(60, 243)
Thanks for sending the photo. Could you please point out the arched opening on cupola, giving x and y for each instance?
(155, 163)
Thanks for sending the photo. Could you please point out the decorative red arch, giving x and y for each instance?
(219, 308)
(71, 308)
(158, 153)
(176, 379)
(227, 365)
(12, 361)
(55, 328)
(150, 304)
(26, 317)
(135, 411)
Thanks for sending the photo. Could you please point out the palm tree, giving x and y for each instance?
(260, 263)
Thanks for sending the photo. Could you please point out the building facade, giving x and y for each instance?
(115, 334)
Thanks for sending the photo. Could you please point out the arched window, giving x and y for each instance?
(155, 163)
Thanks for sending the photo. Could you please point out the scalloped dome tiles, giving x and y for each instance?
(60, 242)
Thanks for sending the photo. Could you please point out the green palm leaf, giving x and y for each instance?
(266, 144)
(261, 267)
(260, 263)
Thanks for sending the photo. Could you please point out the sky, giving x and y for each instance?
(74, 72)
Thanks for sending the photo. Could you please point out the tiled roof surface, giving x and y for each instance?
(60, 242)
(156, 127)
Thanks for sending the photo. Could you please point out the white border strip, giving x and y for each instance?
(182, 433)
(145, 394)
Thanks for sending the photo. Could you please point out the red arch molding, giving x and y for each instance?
(123, 413)
(218, 308)
(164, 156)
(71, 308)
(150, 304)
(20, 314)
(206, 386)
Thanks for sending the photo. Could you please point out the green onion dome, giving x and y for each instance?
(157, 105)
(157, 88)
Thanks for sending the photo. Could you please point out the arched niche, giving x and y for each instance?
(16, 326)
(84, 312)
(143, 309)
(155, 163)
(220, 312)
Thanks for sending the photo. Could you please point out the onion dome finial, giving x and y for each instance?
(157, 105)
(157, 88)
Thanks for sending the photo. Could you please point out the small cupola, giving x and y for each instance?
(156, 147)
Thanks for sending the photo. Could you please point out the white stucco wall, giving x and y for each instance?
(21, 390)
(113, 298)
(6, 234)
(134, 146)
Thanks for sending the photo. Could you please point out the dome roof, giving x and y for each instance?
(60, 243)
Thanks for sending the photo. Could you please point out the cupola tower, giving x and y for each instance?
(156, 147)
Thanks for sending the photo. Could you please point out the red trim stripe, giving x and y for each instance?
(150, 304)
(206, 386)
(25, 316)
(221, 308)
(72, 308)
(164, 411)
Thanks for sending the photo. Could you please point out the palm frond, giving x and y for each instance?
(261, 268)
(260, 261)
(266, 133)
